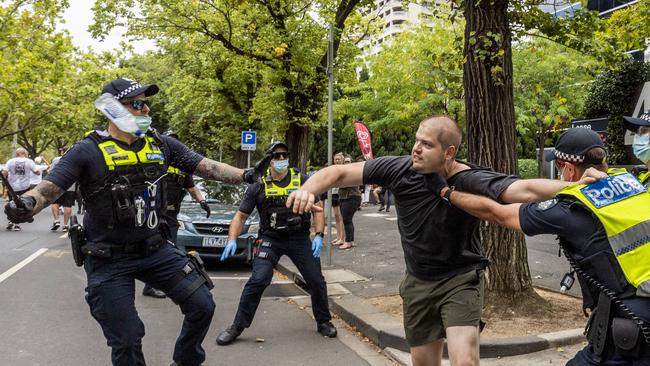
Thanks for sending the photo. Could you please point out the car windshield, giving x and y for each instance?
(228, 194)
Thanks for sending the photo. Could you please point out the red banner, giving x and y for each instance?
(365, 143)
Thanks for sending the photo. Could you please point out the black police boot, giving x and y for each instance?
(327, 329)
(227, 336)
(152, 292)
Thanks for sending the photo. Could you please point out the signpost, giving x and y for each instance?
(249, 143)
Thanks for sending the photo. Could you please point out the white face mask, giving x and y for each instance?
(281, 166)
(143, 122)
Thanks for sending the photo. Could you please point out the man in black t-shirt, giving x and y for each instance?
(119, 171)
(281, 232)
(580, 225)
(442, 290)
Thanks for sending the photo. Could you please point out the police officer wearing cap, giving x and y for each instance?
(281, 232)
(121, 173)
(641, 144)
(177, 184)
(603, 230)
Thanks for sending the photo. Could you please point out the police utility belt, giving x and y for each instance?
(82, 248)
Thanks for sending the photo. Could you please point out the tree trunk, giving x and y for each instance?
(491, 132)
(297, 137)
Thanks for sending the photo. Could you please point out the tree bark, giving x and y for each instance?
(491, 135)
(298, 149)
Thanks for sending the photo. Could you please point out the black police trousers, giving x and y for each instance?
(299, 251)
(111, 295)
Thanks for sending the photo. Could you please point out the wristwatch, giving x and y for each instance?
(447, 195)
(320, 233)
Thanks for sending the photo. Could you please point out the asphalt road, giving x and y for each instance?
(44, 319)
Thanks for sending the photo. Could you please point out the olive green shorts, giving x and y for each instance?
(432, 306)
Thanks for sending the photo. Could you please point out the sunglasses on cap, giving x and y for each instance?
(281, 155)
(138, 104)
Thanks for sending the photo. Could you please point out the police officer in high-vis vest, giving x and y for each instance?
(641, 144)
(281, 232)
(604, 231)
(177, 183)
(121, 173)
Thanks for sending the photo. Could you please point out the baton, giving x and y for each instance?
(12, 194)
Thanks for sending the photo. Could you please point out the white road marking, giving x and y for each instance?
(22, 264)
(64, 236)
(391, 218)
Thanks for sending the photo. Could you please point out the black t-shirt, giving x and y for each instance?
(254, 197)
(439, 240)
(84, 163)
(585, 238)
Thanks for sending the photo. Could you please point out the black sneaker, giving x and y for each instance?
(64, 228)
(229, 335)
(381, 209)
(16, 228)
(10, 226)
(55, 226)
(152, 292)
(327, 329)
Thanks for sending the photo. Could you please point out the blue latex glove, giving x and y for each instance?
(316, 245)
(229, 250)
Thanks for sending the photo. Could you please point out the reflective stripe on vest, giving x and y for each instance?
(175, 171)
(643, 178)
(621, 204)
(275, 191)
(115, 156)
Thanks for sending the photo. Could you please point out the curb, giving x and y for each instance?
(388, 333)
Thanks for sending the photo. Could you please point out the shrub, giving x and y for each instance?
(527, 168)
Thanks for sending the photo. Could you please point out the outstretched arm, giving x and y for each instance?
(537, 190)
(44, 193)
(347, 175)
(212, 170)
(486, 209)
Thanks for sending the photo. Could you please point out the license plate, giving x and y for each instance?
(215, 242)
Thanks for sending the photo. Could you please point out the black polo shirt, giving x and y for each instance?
(84, 163)
(439, 240)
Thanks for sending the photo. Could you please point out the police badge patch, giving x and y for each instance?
(543, 206)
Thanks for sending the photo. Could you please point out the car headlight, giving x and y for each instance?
(253, 229)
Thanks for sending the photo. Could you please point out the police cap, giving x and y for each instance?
(121, 88)
(633, 123)
(273, 145)
(573, 145)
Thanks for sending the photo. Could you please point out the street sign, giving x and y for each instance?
(248, 140)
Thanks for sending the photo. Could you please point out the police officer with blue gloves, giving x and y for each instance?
(281, 232)
(177, 183)
(603, 230)
(121, 172)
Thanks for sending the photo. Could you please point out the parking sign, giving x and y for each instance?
(248, 140)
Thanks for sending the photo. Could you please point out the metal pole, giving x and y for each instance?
(249, 159)
(330, 117)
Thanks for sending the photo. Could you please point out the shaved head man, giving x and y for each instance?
(442, 290)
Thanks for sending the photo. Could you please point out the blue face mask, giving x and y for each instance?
(281, 166)
(641, 147)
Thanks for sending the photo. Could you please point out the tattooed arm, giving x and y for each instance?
(210, 169)
(44, 193)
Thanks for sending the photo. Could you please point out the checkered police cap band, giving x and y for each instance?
(126, 91)
(569, 157)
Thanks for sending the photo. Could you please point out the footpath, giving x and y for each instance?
(375, 267)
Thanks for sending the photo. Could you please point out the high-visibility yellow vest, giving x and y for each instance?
(272, 190)
(644, 178)
(115, 156)
(175, 171)
(622, 204)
